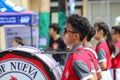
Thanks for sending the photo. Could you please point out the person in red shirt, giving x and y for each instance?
(78, 65)
(115, 32)
(93, 56)
(104, 48)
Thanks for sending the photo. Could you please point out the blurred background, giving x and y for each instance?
(30, 19)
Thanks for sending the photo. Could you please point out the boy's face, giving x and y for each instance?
(68, 34)
(14, 43)
(115, 36)
(97, 34)
(51, 31)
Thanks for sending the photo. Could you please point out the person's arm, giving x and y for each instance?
(82, 71)
(103, 65)
(95, 76)
(102, 59)
(93, 71)
(115, 53)
(99, 73)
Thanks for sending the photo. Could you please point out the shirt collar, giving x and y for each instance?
(73, 49)
(102, 40)
(88, 44)
(76, 46)
(117, 41)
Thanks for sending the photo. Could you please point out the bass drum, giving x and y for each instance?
(27, 63)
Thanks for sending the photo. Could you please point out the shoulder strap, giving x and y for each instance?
(94, 53)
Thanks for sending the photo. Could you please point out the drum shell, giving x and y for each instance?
(50, 68)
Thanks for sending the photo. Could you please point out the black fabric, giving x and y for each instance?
(58, 57)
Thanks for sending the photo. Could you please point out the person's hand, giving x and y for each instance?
(55, 45)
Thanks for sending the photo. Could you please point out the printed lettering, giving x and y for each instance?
(2, 68)
(32, 72)
(18, 66)
(25, 68)
(13, 66)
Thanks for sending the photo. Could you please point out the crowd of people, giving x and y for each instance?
(86, 62)
(83, 61)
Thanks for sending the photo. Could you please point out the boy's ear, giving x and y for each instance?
(101, 31)
(76, 36)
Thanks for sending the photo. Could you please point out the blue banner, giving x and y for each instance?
(15, 19)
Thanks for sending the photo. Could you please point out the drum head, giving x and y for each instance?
(18, 64)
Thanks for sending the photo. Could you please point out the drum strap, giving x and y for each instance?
(94, 53)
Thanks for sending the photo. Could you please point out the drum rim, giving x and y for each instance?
(31, 56)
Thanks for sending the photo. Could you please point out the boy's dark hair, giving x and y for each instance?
(91, 33)
(117, 29)
(103, 26)
(18, 40)
(56, 27)
(80, 24)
